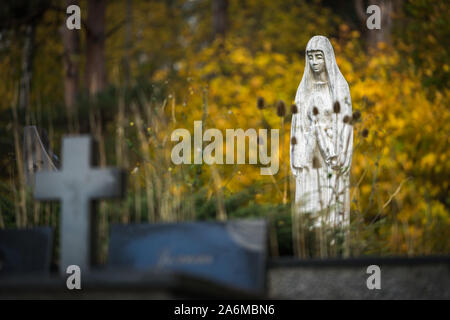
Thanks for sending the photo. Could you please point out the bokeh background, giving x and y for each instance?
(137, 70)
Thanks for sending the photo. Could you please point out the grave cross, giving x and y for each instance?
(76, 185)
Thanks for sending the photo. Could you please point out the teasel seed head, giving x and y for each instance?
(356, 115)
(260, 103)
(365, 133)
(337, 107)
(315, 111)
(294, 141)
(347, 119)
(281, 108)
(294, 109)
(316, 163)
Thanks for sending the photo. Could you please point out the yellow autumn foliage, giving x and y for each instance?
(401, 169)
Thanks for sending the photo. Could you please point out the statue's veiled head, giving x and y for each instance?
(316, 60)
(319, 57)
(319, 54)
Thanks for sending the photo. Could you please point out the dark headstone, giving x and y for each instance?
(25, 251)
(231, 253)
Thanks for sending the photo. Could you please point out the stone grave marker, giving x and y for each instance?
(232, 253)
(25, 250)
(76, 185)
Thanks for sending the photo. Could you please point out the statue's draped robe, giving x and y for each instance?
(322, 190)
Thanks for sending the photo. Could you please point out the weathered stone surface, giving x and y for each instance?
(321, 141)
(417, 278)
(426, 278)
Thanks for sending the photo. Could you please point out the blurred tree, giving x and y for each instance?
(71, 61)
(219, 18)
(95, 47)
(27, 65)
(19, 19)
(128, 42)
(375, 36)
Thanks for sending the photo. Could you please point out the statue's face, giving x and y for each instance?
(316, 61)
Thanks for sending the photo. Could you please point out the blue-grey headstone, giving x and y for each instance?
(232, 253)
(25, 250)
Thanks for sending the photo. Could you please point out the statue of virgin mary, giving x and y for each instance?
(322, 138)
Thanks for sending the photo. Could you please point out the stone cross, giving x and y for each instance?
(77, 184)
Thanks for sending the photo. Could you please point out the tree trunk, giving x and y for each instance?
(71, 56)
(95, 47)
(27, 66)
(128, 43)
(219, 18)
(375, 36)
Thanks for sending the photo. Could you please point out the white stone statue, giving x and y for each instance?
(322, 138)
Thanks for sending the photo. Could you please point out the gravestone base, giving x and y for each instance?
(102, 284)
(401, 278)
